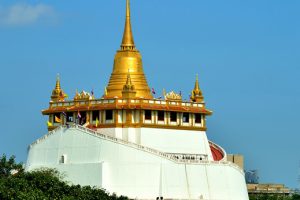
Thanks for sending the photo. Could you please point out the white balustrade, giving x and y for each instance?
(177, 158)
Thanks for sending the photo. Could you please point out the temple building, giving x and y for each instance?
(131, 143)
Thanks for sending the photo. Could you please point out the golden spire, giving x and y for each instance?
(128, 60)
(197, 88)
(127, 42)
(58, 93)
(57, 86)
(196, 95)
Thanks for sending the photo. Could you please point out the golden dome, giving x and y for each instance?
(128, 60)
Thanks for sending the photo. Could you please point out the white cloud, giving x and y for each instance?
(25, 14)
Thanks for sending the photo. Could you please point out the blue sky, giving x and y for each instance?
(247, 55)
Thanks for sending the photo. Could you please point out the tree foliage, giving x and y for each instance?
(273, 197)
(9, 166)
(42, 184)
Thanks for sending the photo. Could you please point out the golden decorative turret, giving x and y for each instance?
(172, 96)
(128, 58)
(128, 89)
(196, 95)
(57, 93)
(83, 96)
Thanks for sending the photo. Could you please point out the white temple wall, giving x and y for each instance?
(91, 160)
(165, 140)
(176, 141)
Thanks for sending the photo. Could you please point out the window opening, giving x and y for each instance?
(148, 115)
(57, 118)
(198, 118)
(186, 117)
(70, 117)
(95, 115)
(82, 118)
(161, 116)
(173, 116)
(109, 115)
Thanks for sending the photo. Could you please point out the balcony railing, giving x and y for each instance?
(125, 101)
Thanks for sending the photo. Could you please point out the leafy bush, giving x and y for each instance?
(273, 197)
(42, 184)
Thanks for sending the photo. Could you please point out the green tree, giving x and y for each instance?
(42, 184)
(296, 197)
(9, 166)
(273, 197)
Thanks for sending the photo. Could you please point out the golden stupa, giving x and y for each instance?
(128, 60)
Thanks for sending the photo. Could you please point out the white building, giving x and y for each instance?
(132, 144)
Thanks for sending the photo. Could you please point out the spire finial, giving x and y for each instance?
(197, 88)
(127, 8)
(57, 86)
(127, 42)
